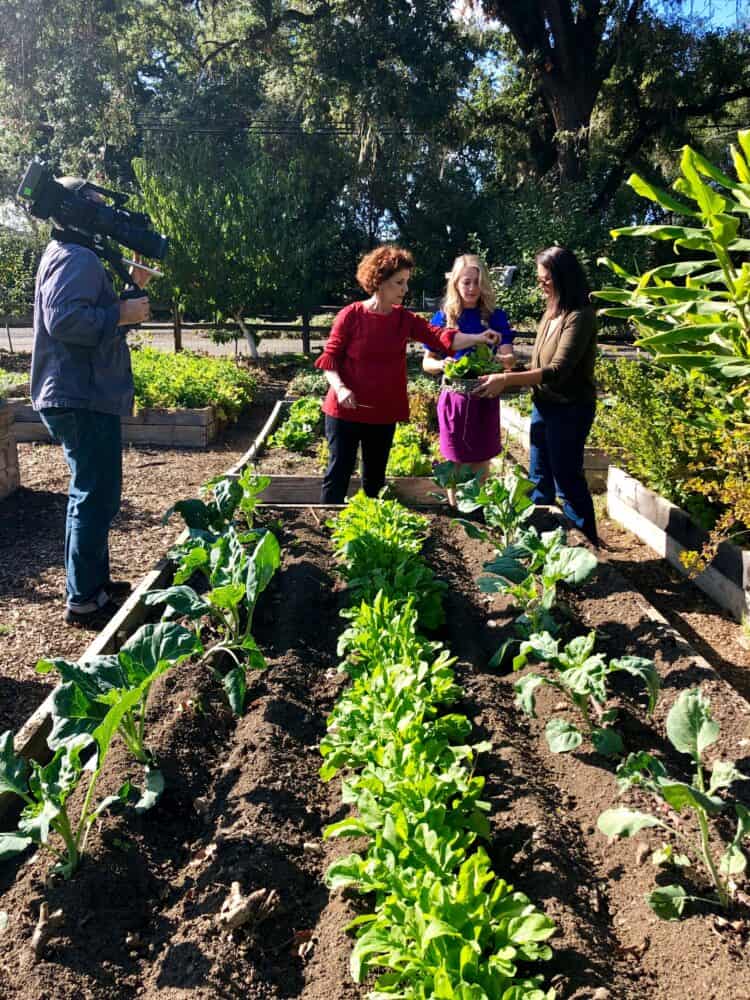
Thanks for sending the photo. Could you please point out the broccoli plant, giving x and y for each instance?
(582, 676)
(504, 501)
(530, 571)
(89, 688)
(97, 700)
(691, 730)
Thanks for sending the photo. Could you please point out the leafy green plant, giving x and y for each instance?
(190, 380)
(97, 699)
(583, 677)
(529, 571)
(691, 730)
(309, 383)
(301, 426)
(378, 542)
(481, 361)
(668, 428)
(459, 938)
(504, 501)
(440, 912)
(407, 456)
(89, 688)
(236, 581)
(695, 314)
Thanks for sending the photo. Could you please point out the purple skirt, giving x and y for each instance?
(469, 427)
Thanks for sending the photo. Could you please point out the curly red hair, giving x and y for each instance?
(381, 264)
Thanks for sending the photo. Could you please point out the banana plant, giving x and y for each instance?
(582, 676)
(694, 314)
(691, 730)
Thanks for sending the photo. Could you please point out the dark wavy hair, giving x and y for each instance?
(380, 264)
(569, 281)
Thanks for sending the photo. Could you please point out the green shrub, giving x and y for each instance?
(189, 380)
(662, 427)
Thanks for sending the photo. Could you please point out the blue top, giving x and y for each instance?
(470, 321)
(80, 357)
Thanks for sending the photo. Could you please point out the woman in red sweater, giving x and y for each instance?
(364, 360)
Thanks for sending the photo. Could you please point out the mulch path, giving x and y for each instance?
(32, 532)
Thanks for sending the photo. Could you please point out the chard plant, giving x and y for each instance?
(691, 730)
(583, 677)
(90, 688)
(236, 581)
(95, 710)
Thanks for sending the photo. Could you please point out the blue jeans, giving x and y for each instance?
(92, 447)
(558, 437)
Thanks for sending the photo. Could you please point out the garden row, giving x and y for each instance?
(240, 805)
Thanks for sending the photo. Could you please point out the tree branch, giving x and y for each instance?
(267, 31)
(649, 124)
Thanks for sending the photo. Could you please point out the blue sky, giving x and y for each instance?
(720, 13)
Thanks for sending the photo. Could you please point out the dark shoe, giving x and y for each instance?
(94, 620)
(118, 589)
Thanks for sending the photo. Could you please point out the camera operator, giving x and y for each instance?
(82, 385)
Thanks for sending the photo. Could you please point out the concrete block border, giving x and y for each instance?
(670, 531)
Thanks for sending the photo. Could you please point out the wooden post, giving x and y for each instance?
(177, 325)
(306, 331)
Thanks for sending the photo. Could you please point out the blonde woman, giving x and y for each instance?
(469, 427)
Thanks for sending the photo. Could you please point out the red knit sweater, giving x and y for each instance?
(368, 350)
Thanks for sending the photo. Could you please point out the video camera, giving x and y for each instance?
(72, 209)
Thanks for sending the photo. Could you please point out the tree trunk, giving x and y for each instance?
(306, 316)
(571, 113)
(7, 330)
(177, 325)
(251, 341)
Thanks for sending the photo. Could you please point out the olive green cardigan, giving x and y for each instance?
(566, 357)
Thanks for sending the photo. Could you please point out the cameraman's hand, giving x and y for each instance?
(134, 311)
(139, 276)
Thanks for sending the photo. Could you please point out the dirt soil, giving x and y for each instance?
(32, 534)
(243, 804)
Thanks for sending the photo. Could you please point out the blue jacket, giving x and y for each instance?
(80, 357)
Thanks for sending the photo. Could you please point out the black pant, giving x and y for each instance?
(344, 437)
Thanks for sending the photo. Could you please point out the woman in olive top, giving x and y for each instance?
(564, 391)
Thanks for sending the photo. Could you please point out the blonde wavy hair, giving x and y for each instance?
(452, 305)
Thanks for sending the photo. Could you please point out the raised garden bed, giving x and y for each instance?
(670, 531)
(517, 427)
(243, 803)
(303, 486)
(175, 428)
(10, 477)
